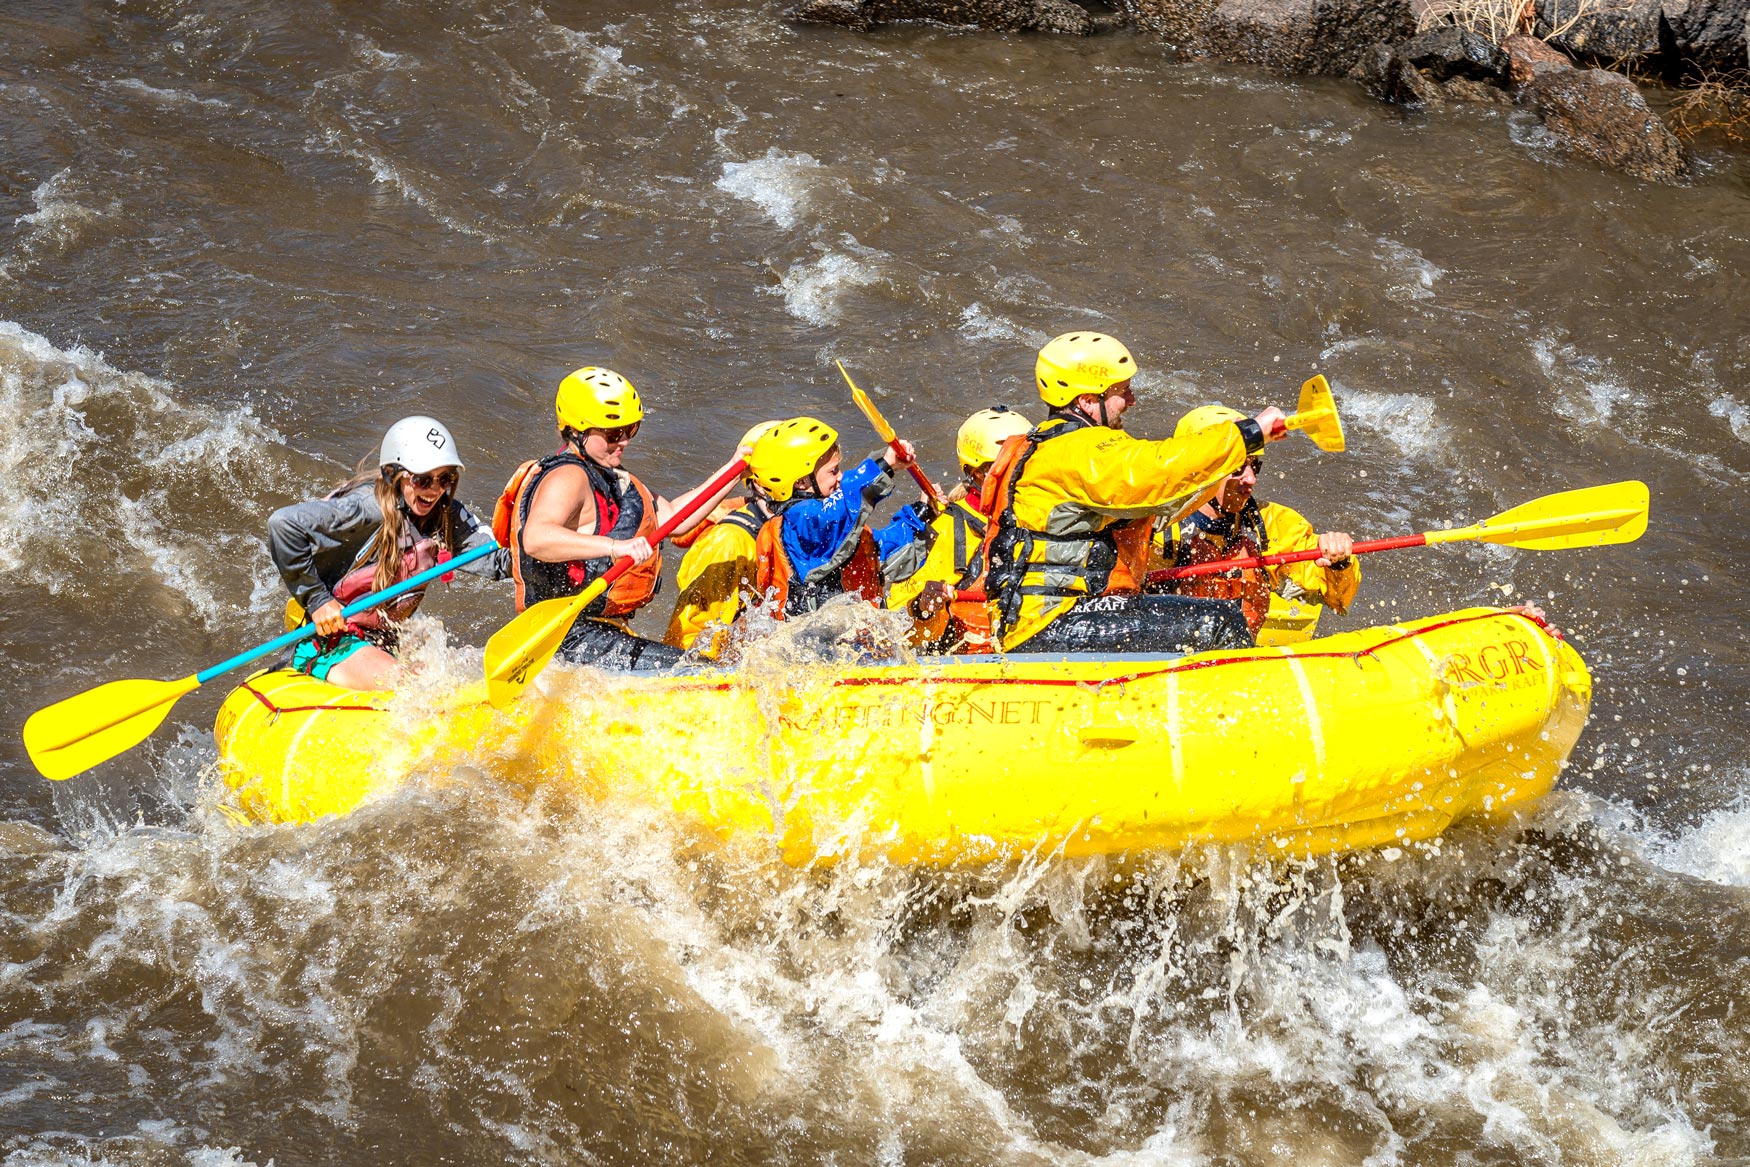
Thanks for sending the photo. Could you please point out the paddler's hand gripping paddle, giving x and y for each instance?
(938, 500)
(521, 649)
(1596, 516)
(71, 736)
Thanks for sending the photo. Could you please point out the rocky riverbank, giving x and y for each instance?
(1549, 55)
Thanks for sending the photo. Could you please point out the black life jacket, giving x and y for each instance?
(620, 513)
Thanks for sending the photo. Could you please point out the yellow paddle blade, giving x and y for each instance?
(518, 652)
(1317, 418)
(887, 432)
(1596, 516)
(71, 736)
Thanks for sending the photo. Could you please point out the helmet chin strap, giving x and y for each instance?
(1105, 417)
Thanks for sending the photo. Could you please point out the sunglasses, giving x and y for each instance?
(614, 435)
(1255, 465)
(443, 480)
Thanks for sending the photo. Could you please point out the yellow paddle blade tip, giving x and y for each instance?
(517, 653)
(1326, 429)
(71, 736)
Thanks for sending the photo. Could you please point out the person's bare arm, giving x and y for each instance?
(562, 503)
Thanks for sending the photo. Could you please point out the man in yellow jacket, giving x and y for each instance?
(945, 595)
(1235, 524)
(1074, 504)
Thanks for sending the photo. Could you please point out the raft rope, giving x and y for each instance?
(276, 710)
(1186, 667)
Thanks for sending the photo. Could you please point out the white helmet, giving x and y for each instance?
(418, 445)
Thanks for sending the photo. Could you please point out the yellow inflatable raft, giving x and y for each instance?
(1351, 740)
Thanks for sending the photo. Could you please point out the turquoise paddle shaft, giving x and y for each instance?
(352, 609)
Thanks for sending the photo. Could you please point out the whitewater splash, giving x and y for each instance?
(108, 474)
(1407, 421)
(521, 964)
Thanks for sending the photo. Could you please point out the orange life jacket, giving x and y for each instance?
(619, 514)
(968, 616)
(1202, 538)
(774, 577)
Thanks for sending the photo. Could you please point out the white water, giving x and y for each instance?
(101, 464)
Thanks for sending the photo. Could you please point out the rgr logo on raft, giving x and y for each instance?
(1496, 664)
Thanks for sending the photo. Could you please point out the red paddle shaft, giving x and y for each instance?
(936, 496)
(730, 474)
(1221, 565)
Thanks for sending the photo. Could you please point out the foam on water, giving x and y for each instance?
(1412, 276)
(101, 461)
(605, 70)
(164, 96)
(1716, 849)
(979, 323)
(1586, 390)
(784, 186)
(65, 213)
(1409, 421)
(814, 291)
(1735, 414)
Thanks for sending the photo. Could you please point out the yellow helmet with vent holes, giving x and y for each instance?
(984, 433)
(787, 452)
(594, 398)
(1081, 362)
(1205, 416)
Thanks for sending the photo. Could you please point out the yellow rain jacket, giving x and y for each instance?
(1061, 492)
(715, 578)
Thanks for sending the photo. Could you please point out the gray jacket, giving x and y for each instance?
(315, 543)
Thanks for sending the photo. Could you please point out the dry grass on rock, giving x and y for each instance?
(1718, 105)
(1500, 19)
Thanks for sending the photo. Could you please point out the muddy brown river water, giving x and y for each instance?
(237, 239)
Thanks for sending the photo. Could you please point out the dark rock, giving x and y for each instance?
(1602, 115)
(1706, 35)
(1448, 51)
(1384, 73)
(1469, 90)
(1289, 36)
(1529, 58)
(999, 15)
(847, 13)
(1713, 34)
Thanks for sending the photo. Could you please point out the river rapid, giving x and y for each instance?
(238, 239)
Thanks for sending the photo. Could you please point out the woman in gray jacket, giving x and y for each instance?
(368, 534)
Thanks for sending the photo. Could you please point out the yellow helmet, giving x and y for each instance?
(597, 398)
(789, 451)
(1081, 362)
(1205, 416)
(984, 433)
(755, 434)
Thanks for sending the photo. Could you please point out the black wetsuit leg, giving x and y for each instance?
(602, 645)
(1155, 624)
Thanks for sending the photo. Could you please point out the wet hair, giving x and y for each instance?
(385, 547)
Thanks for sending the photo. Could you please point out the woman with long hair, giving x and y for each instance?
(371, 532)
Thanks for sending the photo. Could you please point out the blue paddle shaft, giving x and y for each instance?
(353, 609)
